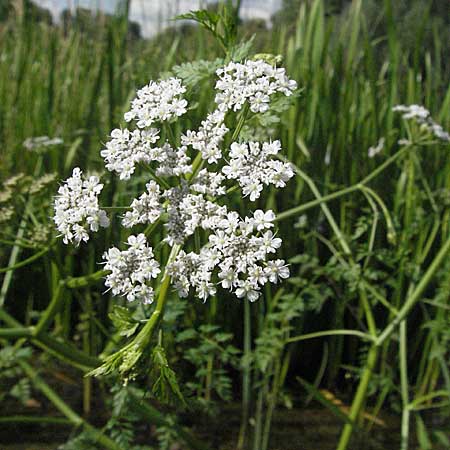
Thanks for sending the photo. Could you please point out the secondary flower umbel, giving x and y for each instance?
(132, 269)
(76, 208)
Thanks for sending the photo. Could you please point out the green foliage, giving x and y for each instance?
(192, 73)
(222, 26)
(165, 386)
(353, 62)
(12, 379)
(209, 350)
(122, 319)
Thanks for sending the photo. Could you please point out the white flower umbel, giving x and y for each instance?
(187, 212)
(253, 81)
(158, 102)
(209, 183)
(423, 117)
(252, 165)
(146, 209)
(132, 270)
(235, 253)
(236, 257)
(172, 162)
(76, 208)
(208, 139)
(128, 148)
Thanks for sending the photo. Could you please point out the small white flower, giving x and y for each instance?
(270, 243)
(128, 148)
(277, 270)
(263, 219)
(234, 254)
(208, 139)
(247, 289)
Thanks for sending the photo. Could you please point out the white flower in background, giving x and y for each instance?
(251, 164)
(34, 143)
(76, 208)
(146, 209)
(374, 150)
(128, 148)
(132, 269)
(157, 102)
(253, 81)
(416, 112)
(235, 257)
(423, 117)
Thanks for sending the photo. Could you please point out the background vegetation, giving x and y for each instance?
(374, 248)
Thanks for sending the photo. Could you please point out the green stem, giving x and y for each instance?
(241, 122)
(359, 398)
(319, 201)
(15, 333)
(385, 165)
(325, 209)
(36, 419)
(78, 282)
(246, 376)
(416, 294)
(318, 334)
(26, 261)
(116, 208)
(121, 359)
(65, 409)
(404, 386)
(51, 311)
(308, 205)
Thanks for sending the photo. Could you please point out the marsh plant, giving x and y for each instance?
(236, 229)
(187, 198)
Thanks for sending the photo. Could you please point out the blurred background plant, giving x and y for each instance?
(361, 327)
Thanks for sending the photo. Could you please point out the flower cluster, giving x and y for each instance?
(209, 183)
(158, 102)
(128, 148)
(76, 208)
(187, 212)
(146, 209)
(254, 81)
(132, 269)
(236, 252)
(208, 139)
(423, 117)
(251, 164)
(235, 257)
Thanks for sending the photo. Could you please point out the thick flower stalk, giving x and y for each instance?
(237, 254)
